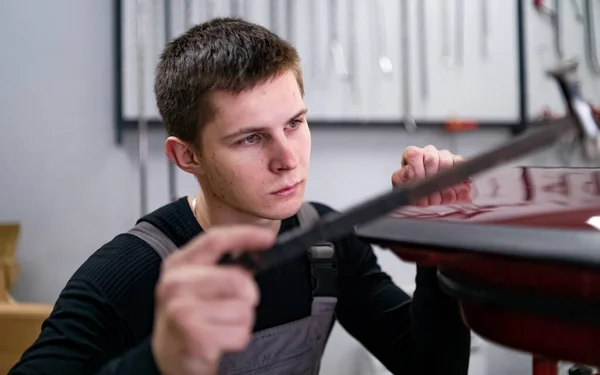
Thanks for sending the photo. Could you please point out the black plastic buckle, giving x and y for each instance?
(323, 269)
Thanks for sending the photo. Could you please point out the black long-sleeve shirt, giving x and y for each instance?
(102, 320)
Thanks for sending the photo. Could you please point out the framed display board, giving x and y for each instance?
(362, 67)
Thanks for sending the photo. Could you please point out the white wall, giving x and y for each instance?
(73, 189)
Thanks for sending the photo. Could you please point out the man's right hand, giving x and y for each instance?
(202, 309)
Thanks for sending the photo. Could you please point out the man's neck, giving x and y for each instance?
(209, 213)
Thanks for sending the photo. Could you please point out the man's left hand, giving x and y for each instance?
(418, 163)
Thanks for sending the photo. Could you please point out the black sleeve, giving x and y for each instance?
(423, 335)
(138, 360)
(101, 321)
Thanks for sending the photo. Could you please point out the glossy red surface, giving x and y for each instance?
(527, 196)
(562, 198)
(556, 340)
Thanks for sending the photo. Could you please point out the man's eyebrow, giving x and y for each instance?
(300, 113)
(258, 129)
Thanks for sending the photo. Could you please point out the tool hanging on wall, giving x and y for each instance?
(168, 36)
(379, 20)
(459, 32)
(352, 52)
(238, 8)
(338, 59)
(188, 14)
(591, 52)
(274, 16)
(158, 18)
(209, 9)
(445, 37)
(409, 122)
(290, 16)
(423, 45)
(314, 33)
(485, 29)
(577, 10)
(554, 14)
(452, 57)
(140, 44)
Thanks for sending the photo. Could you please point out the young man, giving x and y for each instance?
(231, 96)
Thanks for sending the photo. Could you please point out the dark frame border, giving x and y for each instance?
(121, 125)
(118, 71)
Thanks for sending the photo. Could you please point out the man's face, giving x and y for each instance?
(256, 151)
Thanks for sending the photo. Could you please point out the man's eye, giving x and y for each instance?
(295, 123)
(250, 139)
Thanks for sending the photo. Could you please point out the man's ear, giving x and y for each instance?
(183, 155)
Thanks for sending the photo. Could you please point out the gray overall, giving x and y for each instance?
(292, 348)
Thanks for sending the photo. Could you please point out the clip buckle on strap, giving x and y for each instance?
(323, 265)
(323, 269)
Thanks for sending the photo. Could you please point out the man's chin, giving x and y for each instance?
(283, 210)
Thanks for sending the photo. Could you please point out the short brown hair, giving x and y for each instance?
(227, 54)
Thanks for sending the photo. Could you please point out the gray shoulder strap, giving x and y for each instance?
(308, 214)
(154, 237)
(163, 245)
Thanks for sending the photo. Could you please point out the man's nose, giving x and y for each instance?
(284, 156)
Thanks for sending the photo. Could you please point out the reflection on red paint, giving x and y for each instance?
(528, 196)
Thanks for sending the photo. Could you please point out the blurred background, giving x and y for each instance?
(82, 146)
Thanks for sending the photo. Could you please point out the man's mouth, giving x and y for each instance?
(288, 189)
